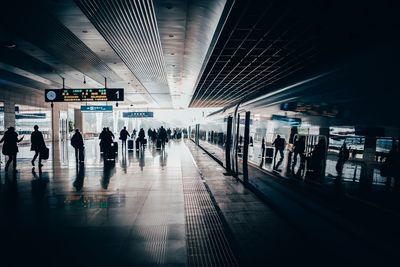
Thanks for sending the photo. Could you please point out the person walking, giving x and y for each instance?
(344, 154)
(123, 135)
(10, 147)
(162, 135)
(299, 147)
(133, 134)
(78, 145)
(141, 136)
(279, 144)
(38, 145)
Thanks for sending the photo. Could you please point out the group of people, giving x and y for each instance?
(10, 147)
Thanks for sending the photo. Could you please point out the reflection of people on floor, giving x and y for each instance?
(141, 160)
(344, 155)
(80, 177)
(108, 171)
(39, 185)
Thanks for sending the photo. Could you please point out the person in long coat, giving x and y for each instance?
(10, 147)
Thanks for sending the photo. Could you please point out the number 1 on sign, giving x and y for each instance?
(117, 93)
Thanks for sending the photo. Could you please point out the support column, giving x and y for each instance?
(324, 132)
(78, 119)
(9, 114)
(55, 123)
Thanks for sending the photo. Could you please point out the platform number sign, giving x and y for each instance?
(84, 95)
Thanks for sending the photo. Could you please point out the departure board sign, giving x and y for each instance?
(137, 114)
(84, 95)
(96, 108)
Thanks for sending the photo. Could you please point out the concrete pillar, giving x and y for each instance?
(367, 169)
(78, 118)
(55, 122)
(9, 114)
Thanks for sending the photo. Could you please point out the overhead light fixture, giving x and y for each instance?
(85, 31)
(10, 44)
(84, 79)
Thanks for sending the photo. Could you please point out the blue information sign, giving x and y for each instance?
(290, 121)
(96, 108)
(138, 114)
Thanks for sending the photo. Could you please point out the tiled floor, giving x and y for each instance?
(149, 208)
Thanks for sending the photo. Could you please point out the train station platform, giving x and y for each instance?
(172, 207)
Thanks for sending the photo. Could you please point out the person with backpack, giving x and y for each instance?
(38, 145)
(78, 145)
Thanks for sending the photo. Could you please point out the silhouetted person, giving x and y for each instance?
(123, 135)
(103, 137)
(344, 154)
(299, 147)
(78, 145)
(141, 136)
(317, 156)
(133, 134)
(38, 145)
(262, 149)
(10, 147)
(279, 144)
(162, 135)
(169, 133)
(391, 168)
(110, 133)
(150, 134)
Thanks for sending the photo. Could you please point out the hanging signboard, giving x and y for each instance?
(16, 109)
(96, 108)
(290, 121)
(84, 95)
(138, 114)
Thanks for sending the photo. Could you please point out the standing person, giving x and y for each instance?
(141, 136)
(133, 134)
(37, 145)
(299, 147)
(123, 135)
(150, 133)
(10, 147)
(77, 143)
(279, 144)
(344, 154)
(317, 158)
(262, 148)
(162, 135)
(103, 140)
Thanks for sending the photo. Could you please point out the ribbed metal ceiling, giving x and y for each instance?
(268, 44)
(131, 30)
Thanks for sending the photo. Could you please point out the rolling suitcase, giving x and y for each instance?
(130, 144)
(115, 147)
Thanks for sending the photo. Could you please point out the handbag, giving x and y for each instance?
(45, 153)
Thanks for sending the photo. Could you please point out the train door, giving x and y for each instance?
(243, 145)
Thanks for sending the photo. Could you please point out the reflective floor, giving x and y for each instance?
(170, 207)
